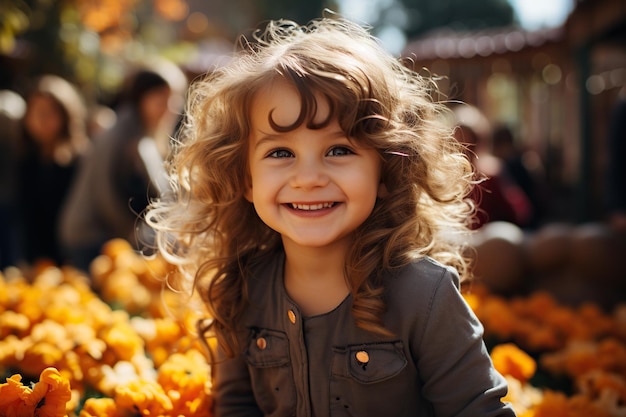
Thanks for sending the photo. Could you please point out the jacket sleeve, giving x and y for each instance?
(454, 364)
(232, 389)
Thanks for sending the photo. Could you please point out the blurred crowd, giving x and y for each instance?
(74, 175)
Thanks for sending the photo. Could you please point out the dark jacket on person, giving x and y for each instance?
(436, 364)
(43, 186)
(111, 190)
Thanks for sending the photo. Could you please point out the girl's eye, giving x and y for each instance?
(340, 151)
(280, 153)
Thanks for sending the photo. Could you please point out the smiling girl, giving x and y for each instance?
(319, 201)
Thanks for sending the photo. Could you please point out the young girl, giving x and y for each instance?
(318, 206)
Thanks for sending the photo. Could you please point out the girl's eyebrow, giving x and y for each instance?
(266, 138)
(273, 137)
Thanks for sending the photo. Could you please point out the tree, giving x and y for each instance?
(414, 18)
(426, 15)
(301, 12)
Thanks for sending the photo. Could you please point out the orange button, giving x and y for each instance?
(261, 343)
(362, 356)
(292, 316)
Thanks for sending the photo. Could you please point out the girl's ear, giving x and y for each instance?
(382, 190)
(247, 192)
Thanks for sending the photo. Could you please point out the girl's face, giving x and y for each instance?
(44, 119)
(313, 186)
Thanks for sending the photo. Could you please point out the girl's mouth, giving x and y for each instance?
(311, 207)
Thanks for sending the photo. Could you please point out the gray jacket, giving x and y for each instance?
(436, 364)
(111, 176)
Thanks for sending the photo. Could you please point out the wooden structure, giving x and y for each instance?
(554, 87)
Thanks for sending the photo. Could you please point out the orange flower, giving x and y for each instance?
(595, 320)
(51, 394)
(29, 301)
(40, 356)
(557, 404)
(122, 287)
(582, 357)
(115, 247)
(157, 271)
(540, 337)
(601, 385)
(144, 395)
(12, 350)
(99, 407)
(13, 323)
(185, 372)
(13, 396)
(508, 359)
(123, 340)
(522, 396)
(612, 354)
(185, 377)
(472, 300)
(47, 398)
(554, 404)
(497, 317)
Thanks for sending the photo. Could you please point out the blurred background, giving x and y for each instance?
(546, 75)
(551, 70)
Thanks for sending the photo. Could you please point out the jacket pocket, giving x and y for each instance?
(374, 362)
(373, 379)
(267, 355)
(267, 348)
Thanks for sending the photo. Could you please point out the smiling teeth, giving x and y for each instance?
(311, 206)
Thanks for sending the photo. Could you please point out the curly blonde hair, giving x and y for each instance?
(212, 232)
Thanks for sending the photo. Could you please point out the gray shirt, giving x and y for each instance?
(436, 364)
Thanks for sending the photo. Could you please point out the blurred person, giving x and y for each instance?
(123, 170)
(53, 137)
(497, 198)
(12, 109)
(616, 168)
(525, 169)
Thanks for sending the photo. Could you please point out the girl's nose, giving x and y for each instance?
(309, 173)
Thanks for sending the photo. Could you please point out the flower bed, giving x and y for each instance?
(580, 354)
(122, 343)
(121, 340)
